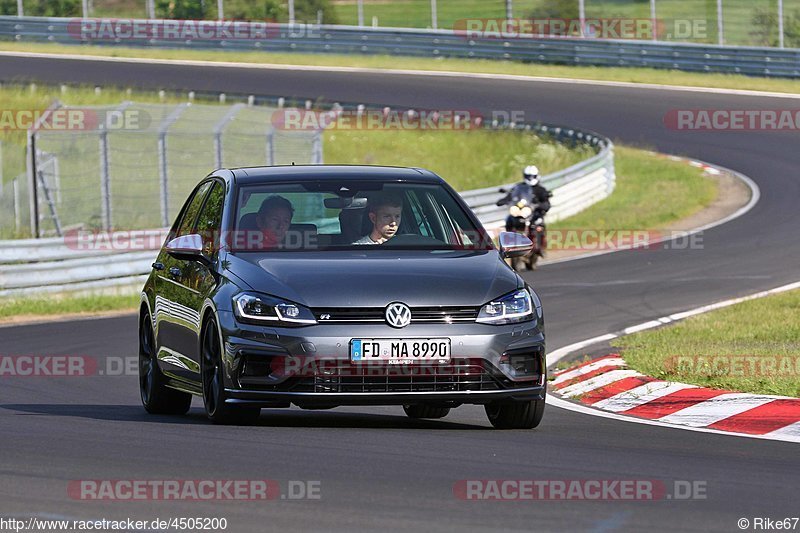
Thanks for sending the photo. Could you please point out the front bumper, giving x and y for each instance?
(330, 399)
(488, 363)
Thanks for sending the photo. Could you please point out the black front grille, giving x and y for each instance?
(345, 377)
(419, 315)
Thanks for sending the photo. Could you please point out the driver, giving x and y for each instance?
(385, 213)
(273, 221)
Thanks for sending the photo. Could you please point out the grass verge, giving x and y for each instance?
(751, 347)
(65, 305)
(644, 181)
(614, 74)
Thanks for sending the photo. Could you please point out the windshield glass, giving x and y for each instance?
(326, 215)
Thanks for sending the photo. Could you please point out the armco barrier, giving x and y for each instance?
(753, 61)
(40, 266)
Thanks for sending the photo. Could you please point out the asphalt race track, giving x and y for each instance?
(377, 468)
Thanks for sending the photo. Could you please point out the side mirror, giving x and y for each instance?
(502, 190)
(514, 244)
(188, 247)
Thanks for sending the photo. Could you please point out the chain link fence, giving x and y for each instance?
(132, 165)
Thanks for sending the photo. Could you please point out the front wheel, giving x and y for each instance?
(515, 415)
(157, 398)
(218, 411)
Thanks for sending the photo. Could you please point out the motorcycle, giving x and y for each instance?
(528, 219)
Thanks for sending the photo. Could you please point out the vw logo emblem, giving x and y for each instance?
(398, 315)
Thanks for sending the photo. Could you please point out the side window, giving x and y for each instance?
(210, 220)
(191, 210)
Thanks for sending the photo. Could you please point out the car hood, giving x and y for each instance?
(377, 278)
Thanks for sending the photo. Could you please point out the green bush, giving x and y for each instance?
(557, 9)
(306, 11)
(765, 28)
(254, 10)
(43, 8)
(8, 7)
(182, 9)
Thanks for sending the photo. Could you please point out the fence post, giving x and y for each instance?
(582, 16)
(85, 8)
(163, 170)
(291, 11)
(720, 24)
(780, 24)
(509, 9)
(218, 127)
(316, 148)
(30, 165)
(361, 13)
(151, 9)
(220, 9)
(434, 15)
(105, 185)
(271, 147)
(17, 208)
(653, 20)
(1, 164)
(20, 10)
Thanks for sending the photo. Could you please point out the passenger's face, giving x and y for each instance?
(386, 220)
(276, 221)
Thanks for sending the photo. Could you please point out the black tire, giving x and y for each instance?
(515, 415)
(214, 397)
(157, 398)
(530, 262)
(426, 411)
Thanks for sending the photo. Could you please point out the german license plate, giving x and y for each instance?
(399, 351)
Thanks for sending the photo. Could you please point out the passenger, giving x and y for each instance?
(385, 213)
(273, 220)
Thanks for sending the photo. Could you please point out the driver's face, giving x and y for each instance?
(276, 221)
(386, 220)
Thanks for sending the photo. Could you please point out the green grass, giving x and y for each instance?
(615, 74)
(63, 305)
(651, 193)
(466, 159)
(765, 329)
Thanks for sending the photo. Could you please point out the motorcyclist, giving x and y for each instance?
(530, 190)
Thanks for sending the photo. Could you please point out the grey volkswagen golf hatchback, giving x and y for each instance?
(322, 286)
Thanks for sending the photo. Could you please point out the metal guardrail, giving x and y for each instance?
(40, 266)
(754, 61)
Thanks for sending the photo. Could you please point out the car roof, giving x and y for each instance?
(254, 175)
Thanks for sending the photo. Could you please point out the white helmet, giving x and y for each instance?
(531, 175)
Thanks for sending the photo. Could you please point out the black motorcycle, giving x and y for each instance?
(527, 217)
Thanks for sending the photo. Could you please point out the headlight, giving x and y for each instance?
(515, 211)
(526, 212)
(514, 307)
(257, 308)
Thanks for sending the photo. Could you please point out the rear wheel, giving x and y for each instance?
(531, 260)
(157, 398)
(515, 415)
(425, 411)
(214, 395)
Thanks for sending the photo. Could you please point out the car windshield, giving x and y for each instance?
(341, 214)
